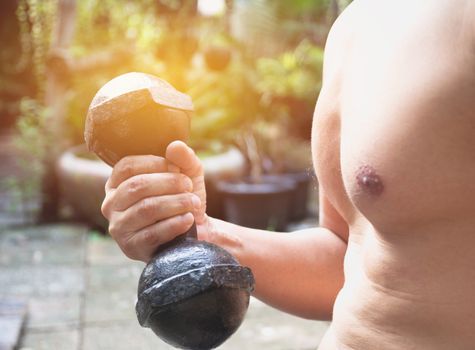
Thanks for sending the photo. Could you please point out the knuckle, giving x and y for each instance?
(113, 229)
(186, 203)
(125, 243)
(150, 237)
(105, 208)
(135, 185)
(145, 208)
(125, 166)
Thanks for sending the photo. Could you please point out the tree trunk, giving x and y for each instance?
(55, 101)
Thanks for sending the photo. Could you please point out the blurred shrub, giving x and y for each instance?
(169, 39)
(226, 102)
(290, 84)
(31, 144)
(296, 73)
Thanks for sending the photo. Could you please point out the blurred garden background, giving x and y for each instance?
(253, 69)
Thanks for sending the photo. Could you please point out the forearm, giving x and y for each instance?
(299, 272)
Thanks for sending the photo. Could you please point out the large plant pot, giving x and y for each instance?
(82, 179)
(265, 205)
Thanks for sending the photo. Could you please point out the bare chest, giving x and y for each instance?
(400, 150)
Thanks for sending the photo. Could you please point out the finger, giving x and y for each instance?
(173, 168)
(130, 166)
(152, 209)
(143, 244)
(184, 157)
(107, 204)
(139, 187)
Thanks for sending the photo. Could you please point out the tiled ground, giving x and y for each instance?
(81, 290)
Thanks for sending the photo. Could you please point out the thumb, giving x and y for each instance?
(184, 158)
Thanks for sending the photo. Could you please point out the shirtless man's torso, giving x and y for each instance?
(394, 152)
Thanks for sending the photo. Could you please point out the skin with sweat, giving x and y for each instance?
(393, 260)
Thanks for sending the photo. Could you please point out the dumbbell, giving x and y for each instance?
(192, 294)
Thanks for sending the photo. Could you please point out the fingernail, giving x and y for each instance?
(196, 202)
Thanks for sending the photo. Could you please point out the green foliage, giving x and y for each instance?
(300, 8)
(296, 73)
(225, 102)
(101, 24)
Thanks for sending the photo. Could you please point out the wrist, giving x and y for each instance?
(223, 234)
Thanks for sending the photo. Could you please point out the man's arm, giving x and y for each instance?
(299, 272)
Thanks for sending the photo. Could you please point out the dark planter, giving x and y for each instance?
(264, 205)
(299, 208)
(228, 166)
(299, 200)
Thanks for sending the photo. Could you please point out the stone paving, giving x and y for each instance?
(81, 290)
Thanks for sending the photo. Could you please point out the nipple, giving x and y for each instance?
(369, 181)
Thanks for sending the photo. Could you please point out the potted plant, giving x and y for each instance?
(227, 106)
(257, 200)
(275, 187)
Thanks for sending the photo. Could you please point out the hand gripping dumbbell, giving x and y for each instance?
(192, 294)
